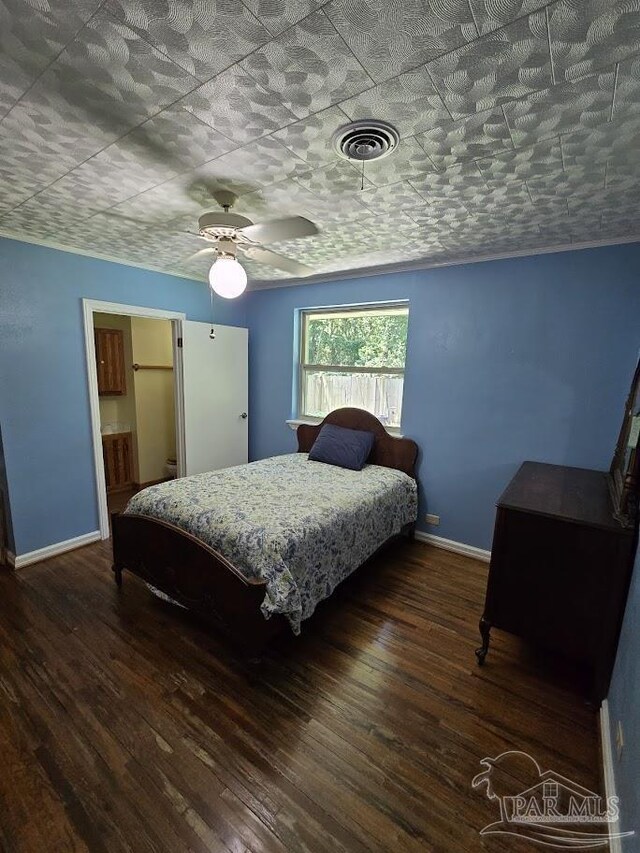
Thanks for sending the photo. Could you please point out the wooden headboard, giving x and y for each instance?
(388, 451)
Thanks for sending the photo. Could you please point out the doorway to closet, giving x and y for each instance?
(134, 365)
(168, 398)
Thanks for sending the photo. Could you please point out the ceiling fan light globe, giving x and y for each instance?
(228, 278)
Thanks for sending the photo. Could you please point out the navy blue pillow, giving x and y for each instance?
(347, 448)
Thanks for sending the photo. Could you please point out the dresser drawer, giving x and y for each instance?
(551, 582)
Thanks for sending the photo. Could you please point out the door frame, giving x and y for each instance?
(89, 308)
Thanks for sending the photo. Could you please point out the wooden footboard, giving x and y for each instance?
(198, 577)
(195, 575)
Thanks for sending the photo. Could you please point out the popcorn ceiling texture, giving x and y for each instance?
(519, 123)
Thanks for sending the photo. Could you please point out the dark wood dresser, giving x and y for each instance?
(560, 567)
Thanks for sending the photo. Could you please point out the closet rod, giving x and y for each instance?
(153, 367)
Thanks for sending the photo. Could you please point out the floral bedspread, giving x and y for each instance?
(299, 525)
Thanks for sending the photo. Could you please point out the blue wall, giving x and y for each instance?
(508, 360)
(44, 403)
(527, 358)
(624, 705)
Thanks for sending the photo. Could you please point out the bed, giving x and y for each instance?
(256, 547)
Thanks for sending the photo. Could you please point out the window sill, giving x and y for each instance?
(294, 423)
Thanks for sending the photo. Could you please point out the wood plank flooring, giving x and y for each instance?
(117, 501)
(125, 725)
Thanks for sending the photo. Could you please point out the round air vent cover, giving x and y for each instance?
(367, 139)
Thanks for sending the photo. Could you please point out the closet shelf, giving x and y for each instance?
(153, 367)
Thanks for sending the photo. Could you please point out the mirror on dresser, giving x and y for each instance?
(624, 475)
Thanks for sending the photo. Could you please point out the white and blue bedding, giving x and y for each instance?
(300, 526)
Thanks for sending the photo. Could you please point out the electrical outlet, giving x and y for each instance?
(619, 740)
(433, 519)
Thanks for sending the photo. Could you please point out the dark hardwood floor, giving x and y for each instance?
(126, 725)
(117, 501)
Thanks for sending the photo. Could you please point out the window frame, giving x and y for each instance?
(302, 367)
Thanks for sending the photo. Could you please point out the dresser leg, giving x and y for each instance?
(485, 630)
(117, 571)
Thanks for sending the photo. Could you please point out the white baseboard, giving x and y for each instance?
(22, 560)
(615, 844)
(452, 545)
(10, 558)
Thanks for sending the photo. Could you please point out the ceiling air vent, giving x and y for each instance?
(365, 140)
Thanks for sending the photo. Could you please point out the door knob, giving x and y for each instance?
(244, 416)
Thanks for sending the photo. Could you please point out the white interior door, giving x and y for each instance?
(215, 391)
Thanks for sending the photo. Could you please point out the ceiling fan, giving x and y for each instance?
(230, 232)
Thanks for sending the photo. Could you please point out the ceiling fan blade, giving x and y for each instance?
(209, 250)
(273, 259)
(279, 230)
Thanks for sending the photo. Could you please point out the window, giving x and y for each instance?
(353, 357)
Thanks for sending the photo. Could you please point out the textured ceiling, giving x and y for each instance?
(519, 123)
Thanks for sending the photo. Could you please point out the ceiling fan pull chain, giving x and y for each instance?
(212, 333)
(362, 178)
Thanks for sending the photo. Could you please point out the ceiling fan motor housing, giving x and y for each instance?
(220, 224)
(365, 140)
